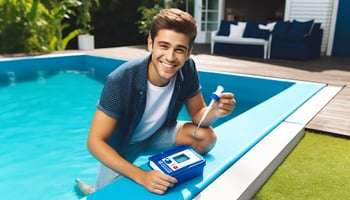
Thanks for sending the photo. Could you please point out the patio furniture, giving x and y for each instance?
(241, 39)
(296, 40)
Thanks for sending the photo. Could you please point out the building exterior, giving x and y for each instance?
(332, 14)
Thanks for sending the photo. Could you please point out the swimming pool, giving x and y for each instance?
(262, 104)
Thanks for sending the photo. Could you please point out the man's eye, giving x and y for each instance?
(163, 46)
(180, 50)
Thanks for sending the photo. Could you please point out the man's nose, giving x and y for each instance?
(170, 55)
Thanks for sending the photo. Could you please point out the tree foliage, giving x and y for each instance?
(147, 13)
(84, 15)
(29, 26)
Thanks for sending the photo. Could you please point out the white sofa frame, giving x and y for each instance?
(246, 41)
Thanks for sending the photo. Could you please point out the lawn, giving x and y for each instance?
(318, 168)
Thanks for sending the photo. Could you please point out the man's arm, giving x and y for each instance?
(101, 129)
(205, 138)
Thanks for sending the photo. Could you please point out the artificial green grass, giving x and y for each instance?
(318, 168)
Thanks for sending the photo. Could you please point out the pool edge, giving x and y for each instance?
(264, 158)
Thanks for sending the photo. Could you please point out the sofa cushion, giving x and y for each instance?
(252, 30)
(299, 30)
(236, 31)
(268, 26)
(224, 28)
(280, 30)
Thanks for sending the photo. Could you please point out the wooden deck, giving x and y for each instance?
(334, 118)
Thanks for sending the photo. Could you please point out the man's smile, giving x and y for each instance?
(168, 65)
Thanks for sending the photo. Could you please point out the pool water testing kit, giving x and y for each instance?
(182, 163)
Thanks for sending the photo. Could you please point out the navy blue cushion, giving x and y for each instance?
(299, 30)
(224, 29)
(252, 31)
(280, 30)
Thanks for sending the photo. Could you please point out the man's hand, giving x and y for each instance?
(225, 105)
(157, 182)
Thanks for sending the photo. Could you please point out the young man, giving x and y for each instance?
(138, 108)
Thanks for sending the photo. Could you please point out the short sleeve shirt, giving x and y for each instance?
(124, 97)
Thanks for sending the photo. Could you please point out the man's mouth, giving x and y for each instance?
(167, 65)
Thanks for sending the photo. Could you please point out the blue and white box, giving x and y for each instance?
(182, 163)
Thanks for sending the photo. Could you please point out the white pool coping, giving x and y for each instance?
(245, 177)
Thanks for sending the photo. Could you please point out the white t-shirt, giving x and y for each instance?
(156, 110)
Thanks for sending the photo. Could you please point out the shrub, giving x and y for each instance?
(29, 26)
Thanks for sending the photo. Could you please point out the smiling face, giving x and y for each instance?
(170, 50)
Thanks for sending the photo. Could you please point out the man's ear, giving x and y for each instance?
(150, 44)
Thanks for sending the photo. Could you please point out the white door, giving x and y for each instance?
(207, 14)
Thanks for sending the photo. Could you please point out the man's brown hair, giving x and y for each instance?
(174, 19)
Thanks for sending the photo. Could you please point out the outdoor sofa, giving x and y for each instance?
(285, 39)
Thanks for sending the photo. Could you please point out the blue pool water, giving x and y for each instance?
(44, 124)
(47, 104)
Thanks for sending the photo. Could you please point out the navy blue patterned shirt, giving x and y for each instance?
(124, 97)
